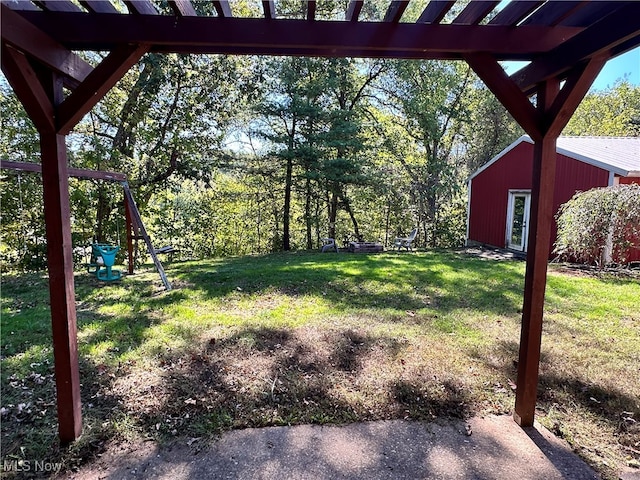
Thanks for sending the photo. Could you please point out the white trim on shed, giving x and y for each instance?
(627, 158)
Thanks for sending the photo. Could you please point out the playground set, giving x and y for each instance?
(103, 256)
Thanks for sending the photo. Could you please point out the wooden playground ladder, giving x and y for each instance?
(141, 232)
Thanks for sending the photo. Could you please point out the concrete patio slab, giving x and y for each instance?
(493, 447)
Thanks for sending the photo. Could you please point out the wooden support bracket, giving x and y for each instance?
(27, 86)
(27, 38)
(97, 84)
(506, 90)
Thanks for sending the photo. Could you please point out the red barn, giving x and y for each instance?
(500, 191)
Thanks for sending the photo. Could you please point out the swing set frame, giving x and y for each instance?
(134, 225)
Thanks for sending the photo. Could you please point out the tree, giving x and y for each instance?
(165, 120)
(294, 119)
(350, 82)
(489, 130)
(599, 226)
(432, 107)
(614, 112)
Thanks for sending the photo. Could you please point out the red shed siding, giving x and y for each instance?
(634, 253)
(490, 190)
(629, 180)
(489, 194)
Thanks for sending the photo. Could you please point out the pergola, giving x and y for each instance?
(566, 42)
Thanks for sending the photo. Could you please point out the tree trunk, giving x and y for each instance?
(307, 214)
(333, 214)
(259, 222)
(347, 207)
(286, 240)
(318, 207)
(386, 223)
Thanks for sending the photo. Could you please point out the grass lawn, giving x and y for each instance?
(322, 338)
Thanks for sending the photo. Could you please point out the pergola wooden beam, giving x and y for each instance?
(613, 30)
(435, 11)
(514, 12)
(141, 7)
(353, 10)
(222, 8)
(269, 9)
(184, 8)
(41, 93)
(543, 123)
(540, 222)
(588, 14)
(552, 13)
(395, 11)
(23, 35)
(99, 6)
(58, 5)
(311, 9)
(328, 38)
(507, 92)
(21, 5)
(55, 183)
(57, 212)
(474, 12)
(576, 87)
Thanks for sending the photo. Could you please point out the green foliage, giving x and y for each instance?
(22, 227)
(489, 130)
(431, 102)
(251, 155)
(228, 217)
(313, 112)
(19, 137)
(614, 112)
(599, 226)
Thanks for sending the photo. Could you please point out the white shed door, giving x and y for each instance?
(518, 220)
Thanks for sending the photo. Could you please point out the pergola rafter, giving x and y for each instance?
(475, 12)
(566, 41)
(183, 8)
(353, 10)
(435, 11)
(601, 38)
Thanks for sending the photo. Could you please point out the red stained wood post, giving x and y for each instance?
(61, 288)
(541, 218)
(544, 124)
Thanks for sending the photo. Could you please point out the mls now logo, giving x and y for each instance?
(30, 466)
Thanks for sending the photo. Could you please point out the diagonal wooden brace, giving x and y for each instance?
(96, 85)
(506, 90)
(27, 86)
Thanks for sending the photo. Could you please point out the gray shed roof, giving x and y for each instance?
(620, 155)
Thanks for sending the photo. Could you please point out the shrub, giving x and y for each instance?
(599, 226)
